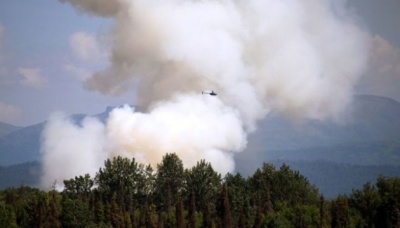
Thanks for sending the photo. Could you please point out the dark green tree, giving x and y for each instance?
(340, 213)
(321, 212)
(75, 213)
(366, 201)
(99, 213)
(292, 187)
(79, 186)
(145, 184)
(259, 184)
(116, 213)
(207, 219)
(204, 182)
(238, 195)
(259, 219)
(225, 208)
(53, 209)
(192, 211)
(7, 216)
(38, 203)
(180, 223)
(122, 177)
(169, 181)
(388, 212)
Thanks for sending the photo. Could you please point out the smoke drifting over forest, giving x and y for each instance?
(298, 58)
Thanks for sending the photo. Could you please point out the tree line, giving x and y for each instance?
(125, 193)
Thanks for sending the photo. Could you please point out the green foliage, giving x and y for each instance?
(169, 217)
(127, 194)
(204, 182)
(145, 184)
(207, 220)
(292, 187)
(225, 208)
(366, 202)
(169, 181)
(180, 223)
(270, 187)
(119, 175)
(7, 217)
(340, 212)
(99, 213)
(278, 220)
(239, 199)
(192, 211)
(126, 180)
(388, 213)
(75, 213)
(79, 186)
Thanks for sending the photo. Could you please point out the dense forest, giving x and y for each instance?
(125, 193)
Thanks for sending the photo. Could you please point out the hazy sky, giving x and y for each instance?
(47, 50)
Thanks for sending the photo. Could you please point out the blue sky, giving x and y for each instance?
(35, 37)
(41, 72)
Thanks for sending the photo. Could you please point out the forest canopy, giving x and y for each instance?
(124, 193)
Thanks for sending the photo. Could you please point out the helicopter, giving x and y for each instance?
(212, 93)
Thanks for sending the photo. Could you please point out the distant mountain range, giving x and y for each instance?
(369, 136)
(22, 144)
(27, 174)
(7, 128)
(332, 178)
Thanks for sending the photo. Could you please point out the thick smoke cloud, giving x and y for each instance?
(298, 58)
(69, 150)
(193, 127)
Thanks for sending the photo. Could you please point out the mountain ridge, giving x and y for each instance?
(374, 119)
(6, 128)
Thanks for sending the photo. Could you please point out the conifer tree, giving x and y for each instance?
(242, 222)
(259, 218)
(160, 221)
(204, 182)
(321, 212)
(99, 213)
(179, 214)
(169, 181)
(192, 211)
(117, 215)
(340, 212)
(207, 221)
(53, 211)
(7, 219)
(143, 216)
(225, 208)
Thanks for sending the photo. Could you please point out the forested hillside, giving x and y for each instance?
(21, 174)
(125, 193)
(21, 146)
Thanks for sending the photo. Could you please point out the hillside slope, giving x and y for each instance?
(368, 135)
(21, 146)
(7, 128)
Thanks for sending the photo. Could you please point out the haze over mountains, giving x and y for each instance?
(365, 144)
(368, 135)
(7, 128)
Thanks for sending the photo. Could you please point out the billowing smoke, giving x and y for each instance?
(298, 58)
(70, 150)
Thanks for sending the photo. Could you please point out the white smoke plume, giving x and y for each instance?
(69, 150)
(298, 58)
